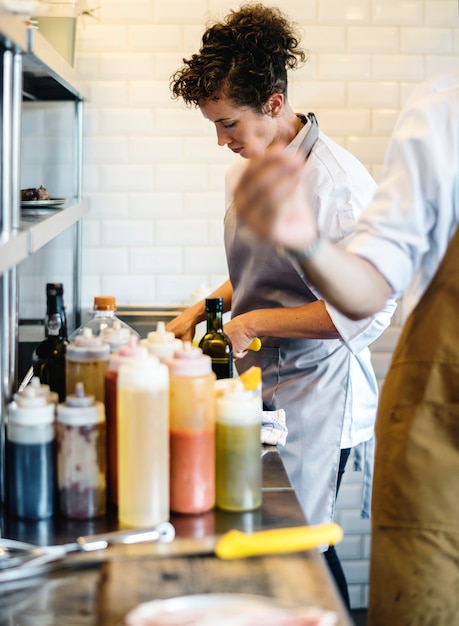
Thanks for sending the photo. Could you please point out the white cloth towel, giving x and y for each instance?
(273, 428)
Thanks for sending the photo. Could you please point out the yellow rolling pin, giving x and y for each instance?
(238, 545)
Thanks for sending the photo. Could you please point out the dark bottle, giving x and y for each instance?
(49, 355)
(215, 343)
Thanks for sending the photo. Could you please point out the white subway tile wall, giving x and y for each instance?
(154, 174)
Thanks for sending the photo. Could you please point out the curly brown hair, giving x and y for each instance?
(245, 57)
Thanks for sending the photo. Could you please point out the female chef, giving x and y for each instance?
(315, 362)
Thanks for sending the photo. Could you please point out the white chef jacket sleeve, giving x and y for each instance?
(406, 229)
(358, 335)
(336, 213)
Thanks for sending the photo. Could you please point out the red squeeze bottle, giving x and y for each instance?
(192, 431)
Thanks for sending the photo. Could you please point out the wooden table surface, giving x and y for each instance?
(101, 593)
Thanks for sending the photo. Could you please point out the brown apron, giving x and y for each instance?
(414, 578)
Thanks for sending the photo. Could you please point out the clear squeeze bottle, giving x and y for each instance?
(143, 442)
(238, 449)
(86, 362)
(48, 360)
(111, 382)
(215, 343)
(192, 431)
(30, 453)
(161, 342)
(81, 456)
(103, 317)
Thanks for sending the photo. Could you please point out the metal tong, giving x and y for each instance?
(19, 559)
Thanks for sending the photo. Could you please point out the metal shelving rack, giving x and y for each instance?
(30, 70)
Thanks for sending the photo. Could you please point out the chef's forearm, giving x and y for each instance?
(310, 321)
(349, 282)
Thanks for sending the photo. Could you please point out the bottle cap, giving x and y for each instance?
(116, 336)
(237, 405)
(31, 395)
(214, 305)
(200, 293)
(189, 361)
(41, 389)
(79, 398)
(128, 351)
(145, 371)
(87, 347)
(161, 342)
(160, 335)
(80, 409)
(104, 303)
(54, 289)
(31, 407)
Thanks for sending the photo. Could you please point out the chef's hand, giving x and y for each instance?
(239, 334)
(270, 199)
(184, 325)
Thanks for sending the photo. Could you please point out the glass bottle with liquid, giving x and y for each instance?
(238, 448)
(81, 456)
(215, 343)
(192, 431)
(30, 453)
(103, 319)
(48, 360)
(143, 442)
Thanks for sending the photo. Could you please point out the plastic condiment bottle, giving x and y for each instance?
(103, 317)
(41, 389)
(192, 431)
(116, 336)
(30, 453)
(143, 442)
(238, 449)
(161, 343)
(81, 456)
(111, 382)
(86, 362)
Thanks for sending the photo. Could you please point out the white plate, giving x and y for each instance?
(43, 203)
(231, 610)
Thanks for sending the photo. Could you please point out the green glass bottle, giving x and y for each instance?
(49, 356)
(215, 343)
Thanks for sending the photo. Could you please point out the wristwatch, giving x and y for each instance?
(300, 256)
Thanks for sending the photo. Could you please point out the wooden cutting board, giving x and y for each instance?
(299, 579)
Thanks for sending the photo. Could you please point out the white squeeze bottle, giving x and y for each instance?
(143, 442)
(161, 342)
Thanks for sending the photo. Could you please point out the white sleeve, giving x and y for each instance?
(357, 335)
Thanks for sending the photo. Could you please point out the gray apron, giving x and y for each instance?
(415, 510)
(307, 378)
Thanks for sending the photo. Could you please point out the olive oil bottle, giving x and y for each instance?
(215, 343)
(49, 355)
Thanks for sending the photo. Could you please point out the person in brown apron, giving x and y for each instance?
(407, 242)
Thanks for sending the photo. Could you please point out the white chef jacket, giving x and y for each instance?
(326, 387)
(406, 229)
